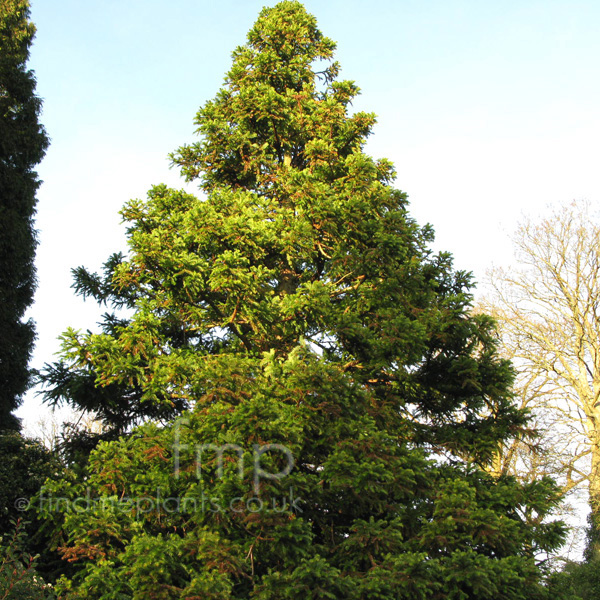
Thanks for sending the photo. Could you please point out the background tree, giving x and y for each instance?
(548, 447)
(549, 309)
(297, 305)
(23, 143)
(26, 464)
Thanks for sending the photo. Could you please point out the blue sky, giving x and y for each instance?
(488, 109)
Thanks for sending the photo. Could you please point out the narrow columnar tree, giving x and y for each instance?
(23, 143)
(338, 399)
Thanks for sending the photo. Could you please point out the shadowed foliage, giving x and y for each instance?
(23, 143)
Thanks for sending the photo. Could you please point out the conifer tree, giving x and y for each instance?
(338, 401)
(23, 143)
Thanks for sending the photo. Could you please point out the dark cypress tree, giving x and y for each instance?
(23, 143)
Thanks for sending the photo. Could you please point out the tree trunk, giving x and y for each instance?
(592, 551)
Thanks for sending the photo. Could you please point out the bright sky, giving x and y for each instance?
(488, 109)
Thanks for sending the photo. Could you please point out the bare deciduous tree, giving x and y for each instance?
(548, 308)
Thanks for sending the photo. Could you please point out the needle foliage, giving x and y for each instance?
(320, 403)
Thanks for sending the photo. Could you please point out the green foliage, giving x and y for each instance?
(295, 317)
(23, 143)
(25, 466)
(592, 547)
(581, 581)
(18, 577)
(576, 581)
(406, 531)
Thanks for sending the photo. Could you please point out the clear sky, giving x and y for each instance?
(488, 109)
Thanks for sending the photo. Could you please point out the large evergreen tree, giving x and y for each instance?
(23, 143)
(294, 316)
